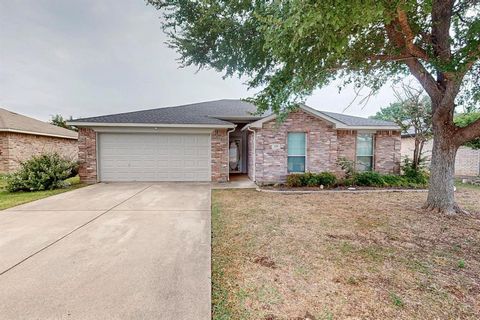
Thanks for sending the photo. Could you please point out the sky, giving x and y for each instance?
(88, 57)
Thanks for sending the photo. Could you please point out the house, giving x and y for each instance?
(208, 141)
(467, 161)
(22, 137)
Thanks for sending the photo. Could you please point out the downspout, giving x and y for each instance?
(228, 150)
(254, 153)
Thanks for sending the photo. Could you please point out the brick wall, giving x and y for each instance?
(387, 151)
(219, 155)
(3, 152)
(271, 163)
(346, 147)
(467, 161)
(87, 155)
(18, 147)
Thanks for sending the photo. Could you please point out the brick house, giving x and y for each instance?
(210, 141)
(22, 137)
(467, 161)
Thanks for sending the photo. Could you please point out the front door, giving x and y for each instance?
(235, 155)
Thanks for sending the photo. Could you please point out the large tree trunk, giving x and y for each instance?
(441, 196)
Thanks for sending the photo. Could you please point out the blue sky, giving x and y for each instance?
(86, 58)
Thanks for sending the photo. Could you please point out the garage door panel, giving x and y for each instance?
(154, 157)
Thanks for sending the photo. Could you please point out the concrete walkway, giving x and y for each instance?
(108, 251)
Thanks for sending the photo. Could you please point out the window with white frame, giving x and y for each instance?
(365, 151)
(296, 145)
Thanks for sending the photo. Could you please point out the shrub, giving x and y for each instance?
(392, 180)
(348, 167)
(310, 179)
(294, 180)
(369, 178)
(326, 178)
(44, 172)
(415, 175)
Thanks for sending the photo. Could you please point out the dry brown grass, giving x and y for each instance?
(343, 256)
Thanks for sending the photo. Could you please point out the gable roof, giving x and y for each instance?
(210, 113)
(216, 114)
(339, 120)
(357, 121)
(14, 122)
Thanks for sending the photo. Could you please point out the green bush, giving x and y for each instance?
(415, 175)
(294, 180)
(392, 180)
(310, 179)
(44, 172)
(327, 179)
(363, 179)
(369, 178)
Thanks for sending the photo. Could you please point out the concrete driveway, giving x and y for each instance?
(108, 251)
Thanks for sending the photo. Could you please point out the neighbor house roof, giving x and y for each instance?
(14, 122)
(218, 113)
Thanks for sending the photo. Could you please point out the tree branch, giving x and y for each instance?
(413, 49)
(468, 133)
(416, 68)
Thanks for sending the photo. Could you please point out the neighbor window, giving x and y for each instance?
(296, 151)
(365, 152)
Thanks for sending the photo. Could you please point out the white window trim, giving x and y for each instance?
(299, 155)
(373, 148)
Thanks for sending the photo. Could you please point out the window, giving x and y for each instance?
(296, 151)
(365, 152)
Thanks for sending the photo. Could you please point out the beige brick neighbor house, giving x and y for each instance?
(209, 141)
(467, 161)
(22, 137)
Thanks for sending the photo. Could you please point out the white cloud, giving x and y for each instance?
(86, 58)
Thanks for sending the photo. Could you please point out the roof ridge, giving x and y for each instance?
(158, 108)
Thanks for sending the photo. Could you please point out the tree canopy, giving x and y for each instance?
(290, 48)
(464, 119)
(59, 121)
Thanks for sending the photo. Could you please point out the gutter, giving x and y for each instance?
(254, 152)
(150, 125)
(39, 134)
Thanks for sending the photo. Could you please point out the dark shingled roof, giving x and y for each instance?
(357, 121)
(210, 112)
(217, 112)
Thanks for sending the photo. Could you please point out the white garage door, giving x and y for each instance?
(154, 157)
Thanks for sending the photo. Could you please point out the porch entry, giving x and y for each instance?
(237, 151)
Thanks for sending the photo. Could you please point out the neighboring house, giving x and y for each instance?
(210, 140)
(22, 137)
(467, 161)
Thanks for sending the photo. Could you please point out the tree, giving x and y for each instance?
(59, 121)
(290, 48)
(412, 113)
(464, 119)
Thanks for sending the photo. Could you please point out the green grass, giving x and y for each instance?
(12, 199)
(460, 185)
(396, 300)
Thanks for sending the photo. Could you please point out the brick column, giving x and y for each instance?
(387, 151)
(219, 155)
(87, 155)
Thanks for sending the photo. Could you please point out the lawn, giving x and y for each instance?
(11, 199)
(343, 256)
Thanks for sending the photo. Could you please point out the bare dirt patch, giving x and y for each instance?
(343, 256)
